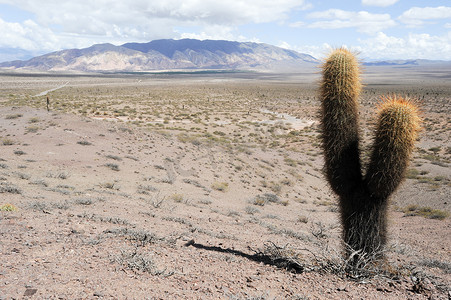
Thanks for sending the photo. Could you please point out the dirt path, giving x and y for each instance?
(51, 90)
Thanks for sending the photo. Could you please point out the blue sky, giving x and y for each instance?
(377, 29)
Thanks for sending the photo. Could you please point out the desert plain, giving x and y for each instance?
(206, 185)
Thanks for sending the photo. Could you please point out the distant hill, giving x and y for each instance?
(8, 54)
(408, 62)
(168, 55)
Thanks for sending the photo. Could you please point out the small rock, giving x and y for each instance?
(342, 289)
(30, 292)
(189, 243)
(98, 294)
(76, 231)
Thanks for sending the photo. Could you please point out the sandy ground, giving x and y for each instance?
(123, 210)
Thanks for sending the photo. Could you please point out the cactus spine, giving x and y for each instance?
(363, 198)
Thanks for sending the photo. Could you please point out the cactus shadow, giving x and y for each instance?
(259, 257)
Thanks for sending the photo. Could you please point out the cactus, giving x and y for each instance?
(363, 197)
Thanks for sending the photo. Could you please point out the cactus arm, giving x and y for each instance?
(340, 89)
(397, 128)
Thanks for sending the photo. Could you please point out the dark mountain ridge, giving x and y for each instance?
(168, 55)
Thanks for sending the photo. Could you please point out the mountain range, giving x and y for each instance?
(184, 54)
(167, 55)
(409, 63)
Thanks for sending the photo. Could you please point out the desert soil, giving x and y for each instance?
(202, 187)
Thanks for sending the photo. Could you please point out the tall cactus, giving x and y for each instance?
(363, 197)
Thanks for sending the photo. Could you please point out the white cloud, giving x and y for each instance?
(33, 37)
(319, 52)
(85, 22)
(95, 17)
(382, 3)
(285, 45)
(27, 35)
(363, 21)
(297, 24)
(416, 16)
(412, 46)
(214, 32)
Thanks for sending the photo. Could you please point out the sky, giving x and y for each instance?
(376, 29)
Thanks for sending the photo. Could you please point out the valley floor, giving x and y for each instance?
(203, 187)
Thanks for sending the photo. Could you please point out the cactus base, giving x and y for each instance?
(364, 222)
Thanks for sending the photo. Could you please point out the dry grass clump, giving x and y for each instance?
(84, 143)
(7, 142)
(433, 263)
(114, 157)
(302, 219)
(34, 120)
(114, 167)
(156, 201)
(110, 185)
(13, 116)
(19, 152)
(32, 129)
(251, 210)
(177, 197)
(425, 211)
(220, 186)
(142, 262)
(261, 200)
(146, 189)
(8, 207)
(9, 188)
(59, 175)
